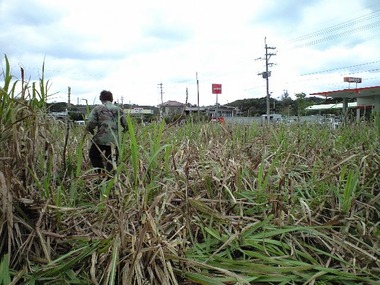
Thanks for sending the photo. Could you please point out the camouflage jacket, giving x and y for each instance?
(104, 121)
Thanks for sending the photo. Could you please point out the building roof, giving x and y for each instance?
(172, 104)
(331, 106)
(195, 108)
(351, 93)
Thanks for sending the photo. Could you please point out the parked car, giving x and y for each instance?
(275, 118)
(332, 122)
(80, 123)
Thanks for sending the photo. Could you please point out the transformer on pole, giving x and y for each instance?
(266, 74)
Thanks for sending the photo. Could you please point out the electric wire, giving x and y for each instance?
(348, 29)
(343, 25)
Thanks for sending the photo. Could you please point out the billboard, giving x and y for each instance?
(216, 88)
(352, 79)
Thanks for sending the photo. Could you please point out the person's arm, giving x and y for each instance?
(123, 120)
(92, 121)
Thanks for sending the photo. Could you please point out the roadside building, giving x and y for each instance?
(143, 113)
(367, 99)
(172, 108)
(223, 111)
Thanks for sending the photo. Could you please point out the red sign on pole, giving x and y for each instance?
(216, 88)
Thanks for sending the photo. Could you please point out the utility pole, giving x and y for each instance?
(196, 75)
(160, 85)
(266, 74)
(68, 98)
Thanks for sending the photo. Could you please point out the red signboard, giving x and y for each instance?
(216, 88)
(352, 79)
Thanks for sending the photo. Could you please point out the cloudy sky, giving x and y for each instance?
(130, 47)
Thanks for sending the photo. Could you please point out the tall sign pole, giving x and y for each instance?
(216, 89)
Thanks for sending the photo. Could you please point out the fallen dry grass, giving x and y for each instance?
(192, 204)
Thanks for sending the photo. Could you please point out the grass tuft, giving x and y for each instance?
(190, 204)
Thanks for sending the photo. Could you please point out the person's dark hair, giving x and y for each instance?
(106, 96)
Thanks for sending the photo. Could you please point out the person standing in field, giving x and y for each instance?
(103, 123)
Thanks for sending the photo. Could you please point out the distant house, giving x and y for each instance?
(139, 111)
(223, 111)
(194, 110)
(172, 107)
(59, 115)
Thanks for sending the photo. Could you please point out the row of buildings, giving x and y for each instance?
(167, 109)
(173, 107)
(367, 99)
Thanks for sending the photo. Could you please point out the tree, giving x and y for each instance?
(286, 103)
(285, 95)
(301, 103)
(57, 107)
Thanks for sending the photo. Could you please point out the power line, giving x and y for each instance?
(340, 26)
(340, 35)
(347, 28)
(338, 68)
(362, 23)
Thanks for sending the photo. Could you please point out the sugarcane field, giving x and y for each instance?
(185, 203)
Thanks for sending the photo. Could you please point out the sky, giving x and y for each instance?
(130, 48)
